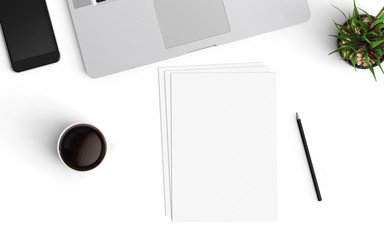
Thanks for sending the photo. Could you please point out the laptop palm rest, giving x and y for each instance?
(186, 21)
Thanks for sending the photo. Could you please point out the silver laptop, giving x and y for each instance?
(117, 35)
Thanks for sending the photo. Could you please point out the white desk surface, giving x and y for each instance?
(342, 113)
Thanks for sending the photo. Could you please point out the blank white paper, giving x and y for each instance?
(223, 147)
(164, 88)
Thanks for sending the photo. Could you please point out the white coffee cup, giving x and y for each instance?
(82, 147)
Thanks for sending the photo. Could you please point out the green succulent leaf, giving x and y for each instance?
(362, 49)
(349, 22)
(377, 43)
(363, 25)
(344, 30)
(379, 19)
(366, 39)
(372, 71)
(368, 15)
(379, 64)
(338, 28)
(366, 56)
(352, 45)
(340, 49)
(336, 36)
(356, 14)
(341, 12)
(375, 23)
(348, 55)
(354, 61)
(369, 65)
(380, 13)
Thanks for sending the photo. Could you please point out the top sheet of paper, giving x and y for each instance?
(223, 146)
(165, 102)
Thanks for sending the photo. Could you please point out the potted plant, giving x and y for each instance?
(361, 39)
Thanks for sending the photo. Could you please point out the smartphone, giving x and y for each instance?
(28, 33)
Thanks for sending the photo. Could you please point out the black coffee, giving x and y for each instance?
(82, 147)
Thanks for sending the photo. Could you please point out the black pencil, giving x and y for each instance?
(308, 158)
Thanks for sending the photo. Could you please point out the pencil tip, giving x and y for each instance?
(297, 116)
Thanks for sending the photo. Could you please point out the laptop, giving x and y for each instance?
(117, 35)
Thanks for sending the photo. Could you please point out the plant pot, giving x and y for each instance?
(348, 61)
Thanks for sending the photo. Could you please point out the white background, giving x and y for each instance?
(342, 112)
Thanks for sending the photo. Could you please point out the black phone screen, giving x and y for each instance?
(27, 29)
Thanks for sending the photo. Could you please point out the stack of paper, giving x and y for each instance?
(218, 126)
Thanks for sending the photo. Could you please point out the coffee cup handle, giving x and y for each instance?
(112, 147)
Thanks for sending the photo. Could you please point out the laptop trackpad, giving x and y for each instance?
(186, 21)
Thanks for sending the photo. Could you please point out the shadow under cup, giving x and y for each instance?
(82, 147)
